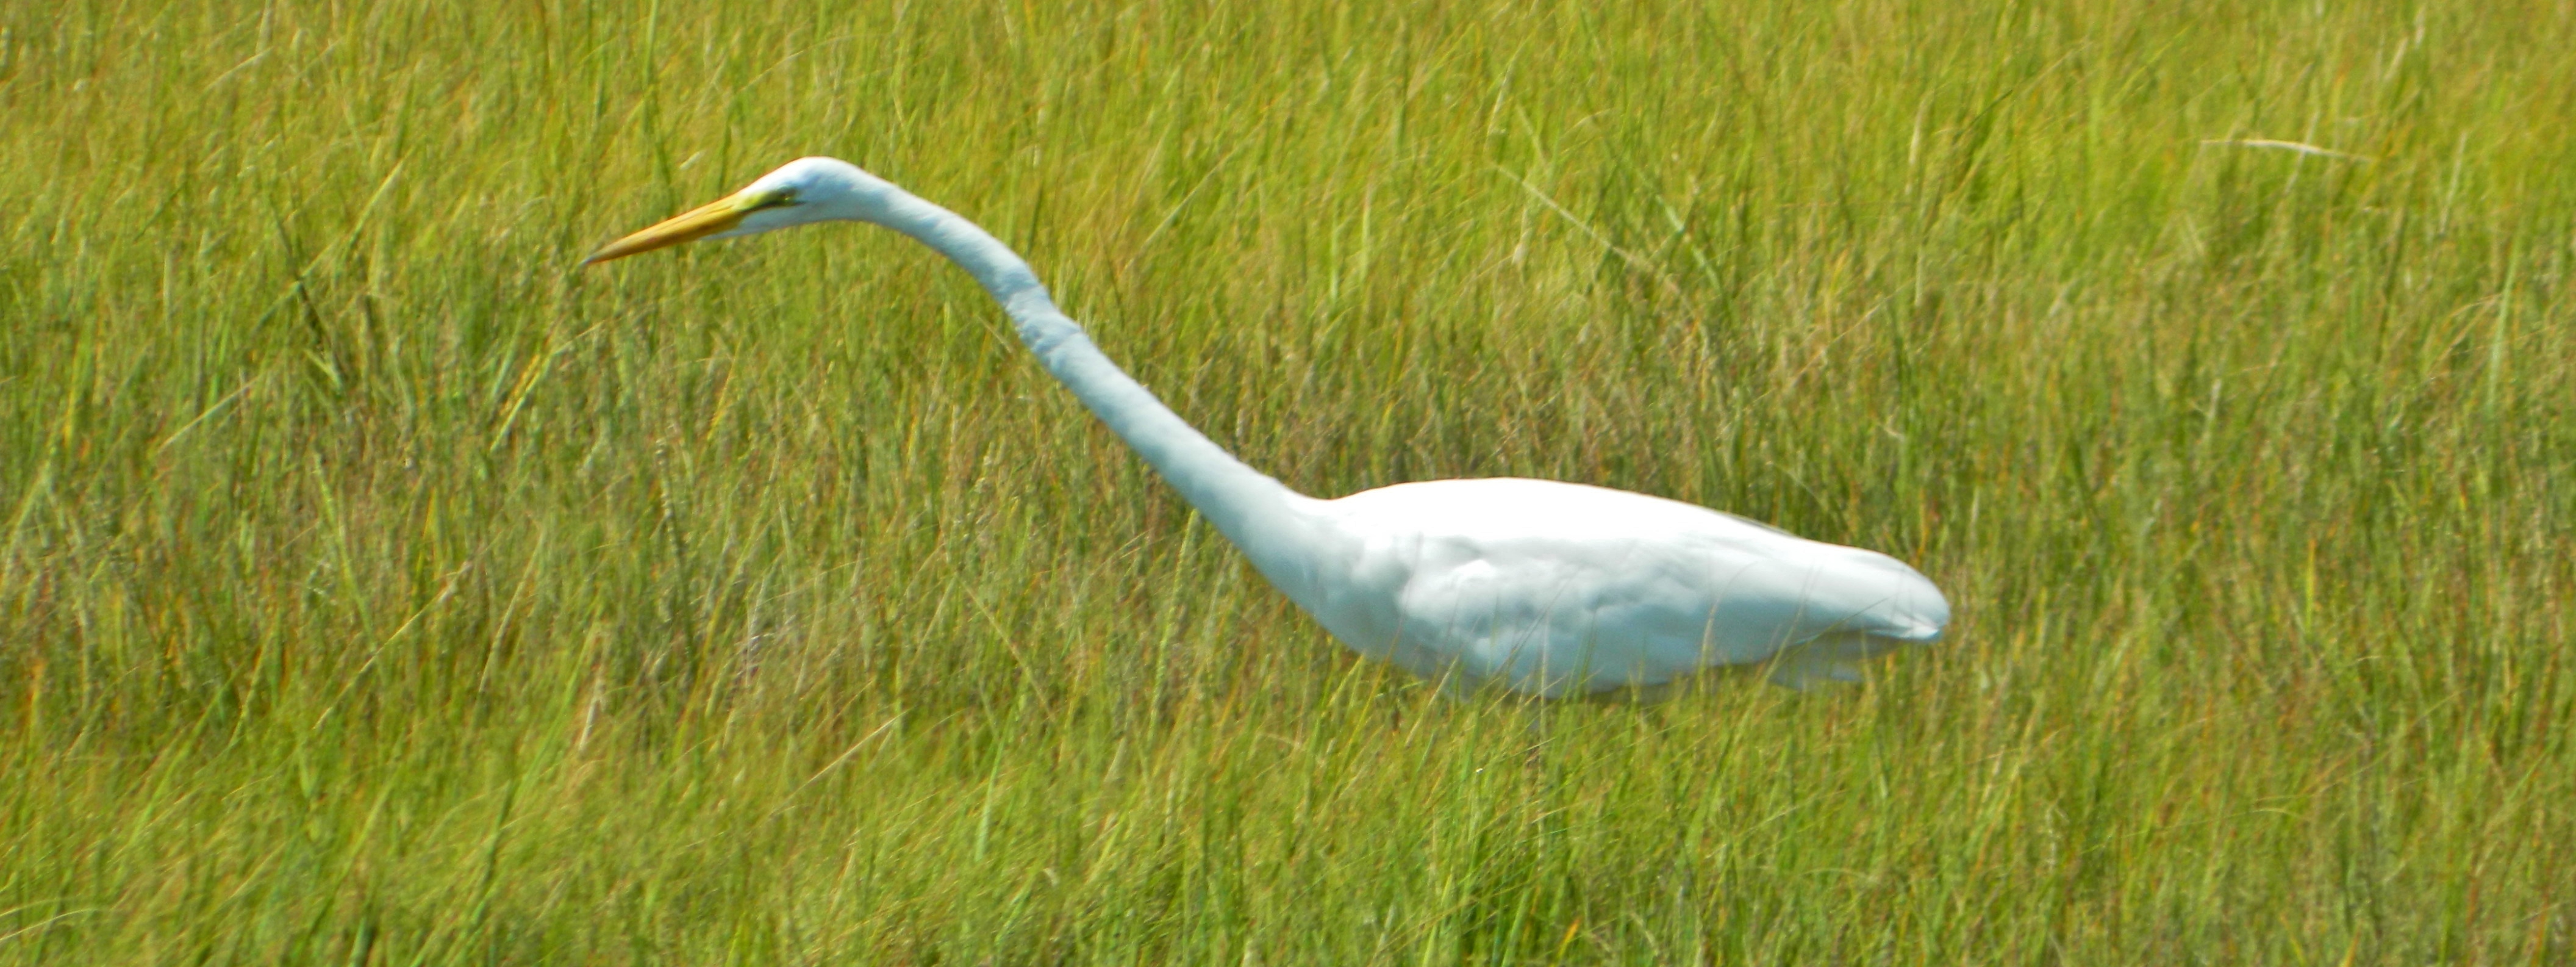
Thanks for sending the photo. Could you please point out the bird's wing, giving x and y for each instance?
(1552, 588)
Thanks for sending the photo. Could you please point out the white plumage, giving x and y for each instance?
(1539, 587)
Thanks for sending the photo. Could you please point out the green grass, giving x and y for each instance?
(375, 588)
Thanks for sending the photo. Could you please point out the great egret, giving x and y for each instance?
(1540, 587)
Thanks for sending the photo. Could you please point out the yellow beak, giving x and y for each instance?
(716, 216)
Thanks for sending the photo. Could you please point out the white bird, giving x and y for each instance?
(1539, 587)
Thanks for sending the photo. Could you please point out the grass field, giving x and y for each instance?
(377, 589)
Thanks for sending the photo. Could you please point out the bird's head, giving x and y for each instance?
(800, 192)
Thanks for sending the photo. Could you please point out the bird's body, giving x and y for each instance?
(1538, 587)
(1546, 587)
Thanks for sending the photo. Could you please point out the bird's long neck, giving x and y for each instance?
(1268, 521)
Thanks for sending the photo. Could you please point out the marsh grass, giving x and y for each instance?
(375, 588)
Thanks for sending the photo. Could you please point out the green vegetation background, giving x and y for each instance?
(375, 588)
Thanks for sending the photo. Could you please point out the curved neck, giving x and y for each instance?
(1259, 514)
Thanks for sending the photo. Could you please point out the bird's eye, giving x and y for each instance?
(777, 199)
